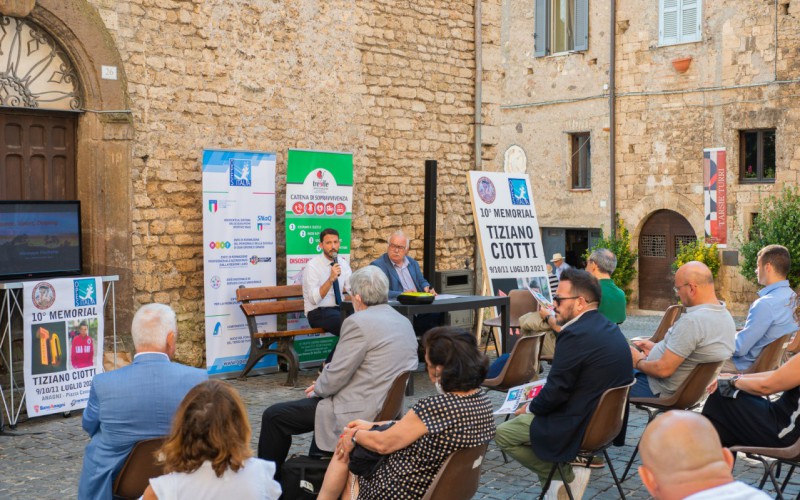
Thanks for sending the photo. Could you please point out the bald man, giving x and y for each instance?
(683, 458)
(704, 334)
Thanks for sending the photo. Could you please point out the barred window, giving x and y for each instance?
(653, 245)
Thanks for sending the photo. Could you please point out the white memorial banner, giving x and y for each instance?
(508, 232)
(63, 331)
(238, 250)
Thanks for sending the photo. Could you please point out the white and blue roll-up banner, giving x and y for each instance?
(238, 250)
(63, 331)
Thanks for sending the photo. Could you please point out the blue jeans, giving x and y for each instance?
(641, 389)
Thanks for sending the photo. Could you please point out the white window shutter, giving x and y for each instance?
(668, 22)
(541, 35)
(581, 31)
(690, 21)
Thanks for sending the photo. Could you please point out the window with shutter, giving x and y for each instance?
(561, 26)
(679, 21)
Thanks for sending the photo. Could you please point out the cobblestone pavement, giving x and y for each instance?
(41, 458)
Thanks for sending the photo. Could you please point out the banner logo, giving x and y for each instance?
(44, 295)
(255, 259)
(241, 174)
(85, 294)
(212, 206)
(217, 328)
(519, 192)
(222, 245)
(486, 190)
(216, 282)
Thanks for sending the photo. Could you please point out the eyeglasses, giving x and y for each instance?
(399, 248)
(558, 299)
(676, 288)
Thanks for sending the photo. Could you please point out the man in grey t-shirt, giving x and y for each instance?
(704, 334)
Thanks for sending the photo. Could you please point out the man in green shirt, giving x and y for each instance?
(601, 265)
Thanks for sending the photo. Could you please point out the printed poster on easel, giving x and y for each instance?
(238, 250)
(319, 195)
(63, 351)
(508, 235)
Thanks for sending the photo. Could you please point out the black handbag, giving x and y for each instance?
(302, 477)
(364, 462)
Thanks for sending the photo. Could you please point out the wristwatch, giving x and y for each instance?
(732, 379)
(353, 437)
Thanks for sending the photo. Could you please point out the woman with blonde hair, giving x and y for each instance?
(208, 455)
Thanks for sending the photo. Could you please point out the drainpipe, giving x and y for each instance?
(478, 78)
(612, 128)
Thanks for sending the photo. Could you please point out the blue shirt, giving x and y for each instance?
(770, 317)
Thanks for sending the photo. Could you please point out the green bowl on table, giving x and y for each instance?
(415, 298)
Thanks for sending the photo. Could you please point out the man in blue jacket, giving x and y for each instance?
(590, 357)
(405, 275)
(135, 402)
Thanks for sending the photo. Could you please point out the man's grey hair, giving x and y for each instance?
(151, 324)
(604, 259)
(400, 233)
(371, 284)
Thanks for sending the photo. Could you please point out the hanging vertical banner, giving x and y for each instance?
(508, 234)
(63, 330)
(319, 195)
(238, 250)
(715, 191)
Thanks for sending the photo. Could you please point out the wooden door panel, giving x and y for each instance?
(37, 155)
(658, 243)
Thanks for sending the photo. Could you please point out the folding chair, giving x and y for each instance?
(460, 475)
(671, 315)
(522, 364)
(393, 404)
(689, 395)
(521, 302)
(605, 424)
(138, 469)
(789, 455)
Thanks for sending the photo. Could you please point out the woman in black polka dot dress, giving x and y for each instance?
(460, 416)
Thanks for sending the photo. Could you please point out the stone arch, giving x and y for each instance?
(104, 141)
(636, 217)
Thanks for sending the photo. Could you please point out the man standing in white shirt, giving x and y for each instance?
(325, 279)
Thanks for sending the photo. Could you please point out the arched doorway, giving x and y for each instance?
(662, 234)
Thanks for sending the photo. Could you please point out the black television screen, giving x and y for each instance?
(39, 239)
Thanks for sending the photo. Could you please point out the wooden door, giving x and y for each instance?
(37, 155)
(659, 240)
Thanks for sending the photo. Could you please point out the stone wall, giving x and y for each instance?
(390, 81)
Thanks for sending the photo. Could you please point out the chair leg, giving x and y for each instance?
(775, 481)
(549, 480)
(786, 479)
(630, 462)
(566, 484)
(614, 474)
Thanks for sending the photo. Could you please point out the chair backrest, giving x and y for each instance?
(671, 315)
(138, 469)
(770, 357)
(794, 344)
(393, 404)
(606, 421)
(691, 391)
(522, 363)
(459, 476)
(521, 302)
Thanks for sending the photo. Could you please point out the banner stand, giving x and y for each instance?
(11, 302)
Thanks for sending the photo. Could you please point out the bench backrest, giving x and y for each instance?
(291, 295)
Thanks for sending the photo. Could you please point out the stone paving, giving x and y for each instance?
(41, 458)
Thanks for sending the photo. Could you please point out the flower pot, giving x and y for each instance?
(681, 65)
(16, 8)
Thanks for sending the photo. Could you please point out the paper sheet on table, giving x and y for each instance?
(519, 395)
(444, 296)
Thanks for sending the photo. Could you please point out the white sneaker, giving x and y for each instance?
(577, 485)
(553, 491)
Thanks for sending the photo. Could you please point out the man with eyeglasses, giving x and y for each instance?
(591, 356)
(704, 334)
(405, 275)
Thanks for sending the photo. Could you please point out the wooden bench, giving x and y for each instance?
(265, 301)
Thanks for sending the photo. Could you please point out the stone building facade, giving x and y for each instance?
(744, 75)
(392, 82)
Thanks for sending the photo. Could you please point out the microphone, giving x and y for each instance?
(334, 255)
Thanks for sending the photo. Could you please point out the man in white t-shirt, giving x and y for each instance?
(682, 458)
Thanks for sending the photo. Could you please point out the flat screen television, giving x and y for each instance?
(39, 239)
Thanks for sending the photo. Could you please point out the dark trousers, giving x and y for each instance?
(749, 420)
(424, 322)
(327, 318)
(279, 423)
